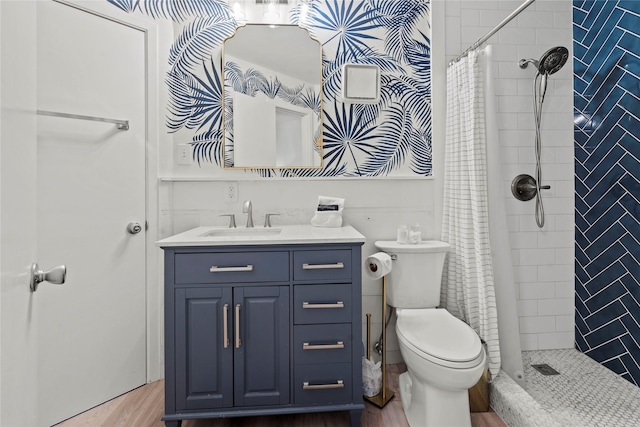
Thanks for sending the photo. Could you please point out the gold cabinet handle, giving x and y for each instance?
(238, 343)
(306, 266)
(339, 304)
(337, 384)
(216, 269)
(225, 325)
(307, 346)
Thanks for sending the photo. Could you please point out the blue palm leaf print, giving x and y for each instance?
(195, 102)
(126, 5)
(181, 10)
(344, 132)
(198, 39)
(350, 22)
(246, 82)
(421, 159)
(396, 136)
(208, 147)
(399, 18)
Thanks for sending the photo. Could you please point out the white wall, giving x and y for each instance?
(543, 259)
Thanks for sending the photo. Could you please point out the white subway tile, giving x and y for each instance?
(537, 257)
(555, 273)
(556, 340)
(556, 307)
(529, 342)
(525, 273)
(537, 324)
(537, 291)
(536, 19)
(516, 36)
(565, 222)
(527, 308)
(558, 239)
(565, 289)
(565, 255)
(565, 323)
(523, 240)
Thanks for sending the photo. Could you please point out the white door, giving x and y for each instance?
(90, 186)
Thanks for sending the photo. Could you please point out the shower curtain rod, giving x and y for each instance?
(486, 37)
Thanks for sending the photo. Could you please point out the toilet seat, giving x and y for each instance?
(438, 336)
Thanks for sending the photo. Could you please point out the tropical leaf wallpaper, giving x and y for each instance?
(391, 138)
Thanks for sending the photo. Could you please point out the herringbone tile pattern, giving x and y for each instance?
(607, 152)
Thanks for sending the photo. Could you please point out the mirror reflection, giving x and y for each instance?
(272, 96)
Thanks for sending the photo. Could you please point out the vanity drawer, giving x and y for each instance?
(231, 267)
(322, 304)
(322, 384)
(322, 343)
(322, 265)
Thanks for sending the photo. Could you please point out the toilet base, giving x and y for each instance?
(426, 406)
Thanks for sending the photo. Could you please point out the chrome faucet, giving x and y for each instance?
(246, 208)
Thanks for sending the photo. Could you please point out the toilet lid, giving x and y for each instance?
(437, 333)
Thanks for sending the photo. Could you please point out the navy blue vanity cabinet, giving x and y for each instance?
(262, 330)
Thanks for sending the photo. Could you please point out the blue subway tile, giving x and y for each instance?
(630, 362)
(606, 333)
(604, 53)
(580, 343)
(598, 18)
(631, 305)
(630, 103)
(631, 141)
(581, 275)
(608, 193)
(581, 258)
(603, 243)
(581, 241)
(605, 171)
(632, 285)
(609, 293)
(630, 42)
(632, 225)
(630, 5)
(631, 325)
(605, 278)
(606, 351)
(630, 22)
(616, 366)
(602, 261)
(631, 205)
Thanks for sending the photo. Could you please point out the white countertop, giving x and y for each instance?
(281, 235)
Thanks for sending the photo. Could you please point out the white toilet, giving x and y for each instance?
(444, 355)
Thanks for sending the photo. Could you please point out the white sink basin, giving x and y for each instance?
(284, 234)
(230, 232)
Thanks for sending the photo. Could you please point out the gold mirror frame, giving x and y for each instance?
(261, 84)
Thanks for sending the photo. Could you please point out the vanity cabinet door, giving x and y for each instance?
(261, 356)
(204, 359)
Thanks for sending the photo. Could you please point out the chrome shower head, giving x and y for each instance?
(550, 62)
(553, 60)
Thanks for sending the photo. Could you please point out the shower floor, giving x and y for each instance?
(585, 394)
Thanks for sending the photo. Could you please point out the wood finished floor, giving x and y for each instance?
(144, 406)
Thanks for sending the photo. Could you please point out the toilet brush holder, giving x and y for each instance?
(385, 395)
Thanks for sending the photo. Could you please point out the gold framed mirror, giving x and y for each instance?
(272, 98)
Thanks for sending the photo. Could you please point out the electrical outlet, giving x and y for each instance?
(183, 154)
(231, 192)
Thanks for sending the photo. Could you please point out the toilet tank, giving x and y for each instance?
(415, 278)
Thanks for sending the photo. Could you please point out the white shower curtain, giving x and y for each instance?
(467, 287)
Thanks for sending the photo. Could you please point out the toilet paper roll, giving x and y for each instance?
(378, 265)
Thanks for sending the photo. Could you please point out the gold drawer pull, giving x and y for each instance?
(307, 346)
(306, 266)
(216, 269)
(338, 304)
(307, 386)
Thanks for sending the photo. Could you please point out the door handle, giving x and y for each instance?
(55, 275)
(134, 227)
